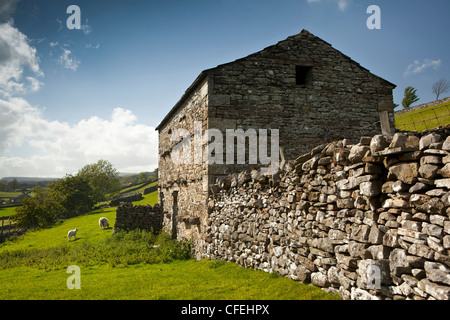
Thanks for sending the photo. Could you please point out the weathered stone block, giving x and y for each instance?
(421, 250)
(379, 142)
(370, 188)
(428, 139)
(375, 235)
(442, 183)
(406, 172)
(374, 273)
(436, 291)
(360, 233)
(429, 171)
(319, 279)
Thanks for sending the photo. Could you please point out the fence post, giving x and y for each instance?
(385, 125)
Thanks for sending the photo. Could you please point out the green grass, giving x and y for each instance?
(141, 189)
(150, 199)
(177, 280)
(422, 119)
(4, 194)
(6, 212)
(133, 265)
(88, 232)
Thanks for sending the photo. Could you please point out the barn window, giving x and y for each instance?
(303, 75)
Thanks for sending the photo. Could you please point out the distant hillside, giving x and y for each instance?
(28, 179)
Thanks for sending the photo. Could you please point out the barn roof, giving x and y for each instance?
(204, 73)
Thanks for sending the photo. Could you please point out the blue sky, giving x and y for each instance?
(71, 97)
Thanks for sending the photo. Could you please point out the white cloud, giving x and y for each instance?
(68, 61)
(342, 4)
(420, 66)
(54, 44)
(31, 145)
(16, 57)
(59, 148)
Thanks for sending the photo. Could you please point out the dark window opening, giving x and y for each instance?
(303, 75)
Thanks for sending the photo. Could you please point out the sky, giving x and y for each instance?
(69, 97)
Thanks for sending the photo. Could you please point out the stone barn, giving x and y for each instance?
(302, 87)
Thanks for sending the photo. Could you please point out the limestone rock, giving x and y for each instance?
(429, 171)
(427, 140)
(379, 142)
(445, 171)
(406, 172)
(437, 272)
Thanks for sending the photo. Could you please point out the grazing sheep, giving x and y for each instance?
(103, 223)
(72, 233)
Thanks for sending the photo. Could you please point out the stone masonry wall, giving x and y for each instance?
(366, 221)
(187, 180)
(144, 217)
(263, 91)
(342, 100)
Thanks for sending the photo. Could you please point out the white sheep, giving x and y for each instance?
(72, 233)
(103, 222)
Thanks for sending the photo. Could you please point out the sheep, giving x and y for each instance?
(103, 222)
(72, 233)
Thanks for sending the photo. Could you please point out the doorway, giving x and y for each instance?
(174, 213)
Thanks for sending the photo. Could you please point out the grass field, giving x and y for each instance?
(34, 267)
(4, 194)
(422, 119)
(88, 232)
(5, 212)
(177, 280)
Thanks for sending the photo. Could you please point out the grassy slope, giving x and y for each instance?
(141, 189)
(88, 231)
(178, 280)
(426, 118)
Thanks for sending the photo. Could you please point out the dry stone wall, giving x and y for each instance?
(422, 106)
(129, 197)
(144, 217)
(366, 221)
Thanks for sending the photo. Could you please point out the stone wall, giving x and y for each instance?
(129, 197)
(339, 98)
(260, 91)
(150, 189)
(366, 221)
(145, 217)
(183, 187)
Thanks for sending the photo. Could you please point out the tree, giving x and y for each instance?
(142, 177)
(13, 185)
(103, 179)
(410, 97)
(73, 194)
(39, 211)
(154, 174)
(439, 87)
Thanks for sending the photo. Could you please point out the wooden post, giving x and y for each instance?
(385, 124)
